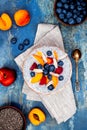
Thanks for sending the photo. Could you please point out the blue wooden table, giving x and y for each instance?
(74, 37)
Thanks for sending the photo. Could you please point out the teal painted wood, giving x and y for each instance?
(74, 37)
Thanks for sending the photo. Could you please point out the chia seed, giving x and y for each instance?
(10, 119)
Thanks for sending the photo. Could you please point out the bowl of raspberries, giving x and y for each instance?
(71, 12)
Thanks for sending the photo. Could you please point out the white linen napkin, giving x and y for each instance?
(61, 105)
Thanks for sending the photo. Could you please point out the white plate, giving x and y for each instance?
(67, 70)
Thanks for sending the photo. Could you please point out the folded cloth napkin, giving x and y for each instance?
(60, 105)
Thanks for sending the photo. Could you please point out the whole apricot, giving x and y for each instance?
(5, 22)
(22, 17)
(36, 116)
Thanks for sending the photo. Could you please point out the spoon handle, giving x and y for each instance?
(77, 80)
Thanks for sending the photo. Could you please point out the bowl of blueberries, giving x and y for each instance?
(71, 12)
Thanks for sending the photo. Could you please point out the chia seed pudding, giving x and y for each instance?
(10, 119)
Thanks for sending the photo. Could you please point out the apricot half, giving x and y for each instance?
(36, 116)
(22, 17)
(5, 22)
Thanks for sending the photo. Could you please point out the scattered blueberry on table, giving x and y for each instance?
(26, 42)
(71, 12)
(14, 40)
(21, 46)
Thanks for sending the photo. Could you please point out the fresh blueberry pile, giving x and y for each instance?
(71, 11)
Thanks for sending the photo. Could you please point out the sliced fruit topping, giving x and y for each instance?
(59, 70)
(39, 53)
(51, 87)
(47, 80)
(34, 66)
(43, 80)
(55, 55)
(49, 83)
(51, 68)
(38, 70)
(37, 78)
(39, 59)
(54, 74)
(60, 63)
(61, 78)
(49, 53)
(55, 81)
(32, 74)
(44, 58)
(55, 62)
(49, 60)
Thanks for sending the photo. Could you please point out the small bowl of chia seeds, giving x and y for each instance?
(11, 118)
(71, 12)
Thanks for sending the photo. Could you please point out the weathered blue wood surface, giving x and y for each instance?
(74, 37)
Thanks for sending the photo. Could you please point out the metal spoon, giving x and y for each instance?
(76, 55)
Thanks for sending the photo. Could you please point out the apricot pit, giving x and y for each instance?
(36, 116)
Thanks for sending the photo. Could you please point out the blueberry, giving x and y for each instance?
(51, 87)
(75, 16)
(60, 63)
(45, 72)
(59, 10)
(83, 4)
(63, 1)
(61, 78)
(39, 66)
(78, 3)
(75, 11)
(81, 16)
(79, 8)
(59, 4)
(51, 68)
(65, 20)
(84, 12)
(14, 40)
(32, 74)
(72, 6)
(78, 19)
(71, 21)
(20, 46)
(69, 14)
(46, 66)
(66, 6)
(49, 76)
(61, 16)
(49, 53)
(26, 42)
(64, 11)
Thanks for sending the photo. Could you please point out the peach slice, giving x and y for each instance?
(5, 22)
(36, 116)
(39, 59)
(55, 55)
(37, 78)
(55, 80)
(22, 17)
